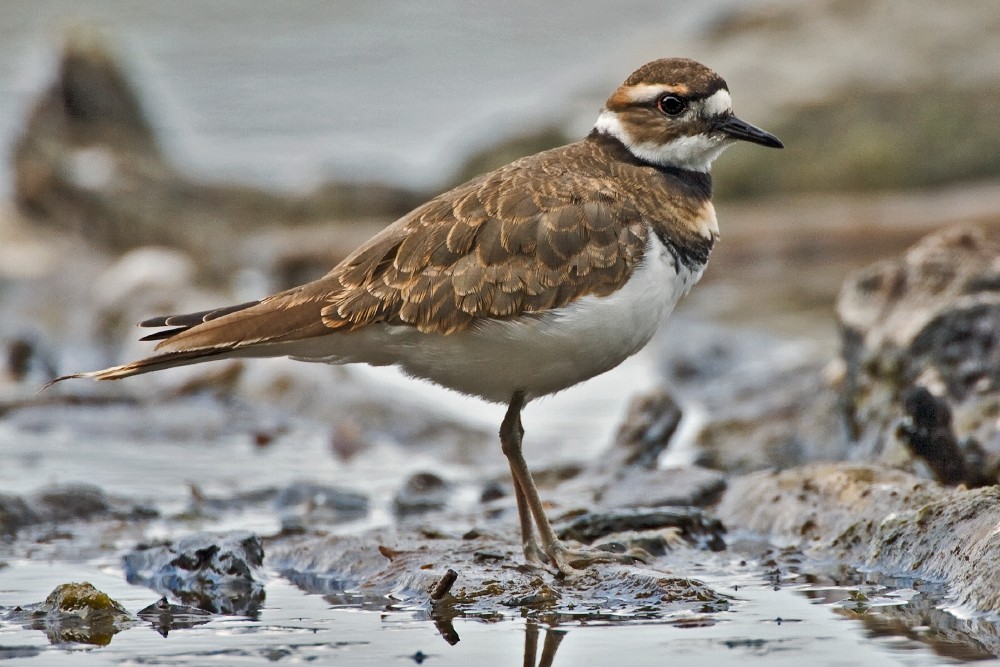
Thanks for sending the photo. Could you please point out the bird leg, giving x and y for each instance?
(533, 553)
(529, 504)
(511, 429)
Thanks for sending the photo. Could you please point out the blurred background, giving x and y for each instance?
(168, 157)
(162, 157)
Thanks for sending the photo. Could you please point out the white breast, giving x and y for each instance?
(538, 355)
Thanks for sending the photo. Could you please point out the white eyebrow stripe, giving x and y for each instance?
(647, 92)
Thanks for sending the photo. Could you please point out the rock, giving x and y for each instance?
(26, 359)
(751, 400)
(649, 423)
(929, 319)
(64, 503)
(878, 519)
(15, 514)
(362, 570)
(71, 502)
(493, 489)
(422, 492)
(927, 431)
(220, 573)
(76, 613)
(309, 503)
(88, 162)
(164, 616)
(691, 524)
(685, 486)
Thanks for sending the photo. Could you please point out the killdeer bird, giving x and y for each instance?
(519, 283)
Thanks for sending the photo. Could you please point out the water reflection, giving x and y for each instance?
(893, 608)
(553, 637)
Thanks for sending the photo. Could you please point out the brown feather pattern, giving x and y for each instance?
(532, 236)
(524, 239)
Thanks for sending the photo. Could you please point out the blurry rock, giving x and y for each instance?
(929, 319)
(164, 616)
(64, 503)
(629, 466)
(880, 519)
(203, 506)
(848, 125)
(27, 360)
(927, 431)
(756, 400)
(88, 162)
(645, 432)
(71, 502)
(310, 503)
(216, 572)
(422, 492)
(348, 440)
(15, 514)
(493, 489)
(76, 613)
(684, 486)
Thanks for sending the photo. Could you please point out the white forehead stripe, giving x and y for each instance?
(717, 103)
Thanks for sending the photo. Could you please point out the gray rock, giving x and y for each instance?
(646, 430)
(364, 569)
(691, 524)
(928, 319)
(422, 492)
(164, 616)
(65, 503)
(879, 519)
(315, 503)
(220, 573)
(761, 400)
(689, 485)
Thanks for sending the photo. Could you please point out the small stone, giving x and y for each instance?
(76, 613)
(422, 492)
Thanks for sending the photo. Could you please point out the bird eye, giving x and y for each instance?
(671, 105)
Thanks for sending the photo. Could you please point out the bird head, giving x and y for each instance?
(677, 113)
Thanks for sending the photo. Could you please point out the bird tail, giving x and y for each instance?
(157, 362)
(252, 329)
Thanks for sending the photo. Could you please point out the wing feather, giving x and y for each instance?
(529, 237)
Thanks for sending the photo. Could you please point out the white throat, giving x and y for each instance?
(691, 152)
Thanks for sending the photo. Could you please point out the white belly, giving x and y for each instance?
(538, 355)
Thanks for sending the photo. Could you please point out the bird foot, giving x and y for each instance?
(570, 561)
(534, 555)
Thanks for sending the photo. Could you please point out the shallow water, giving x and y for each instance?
(772, 619)
(765, 625)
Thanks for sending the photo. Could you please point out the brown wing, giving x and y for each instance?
(520, 240)
(531, 236)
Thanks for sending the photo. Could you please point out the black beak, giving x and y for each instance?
(738, 129)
